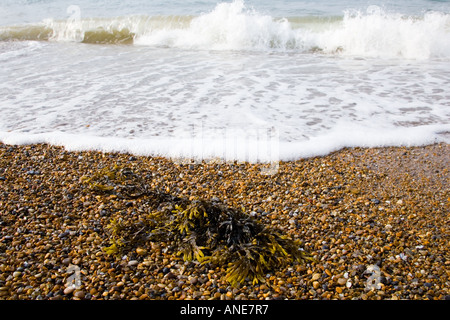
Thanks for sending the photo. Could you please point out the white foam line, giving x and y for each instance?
(232, 148)
(348, 136)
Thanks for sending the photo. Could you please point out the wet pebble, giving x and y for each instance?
(348, 212)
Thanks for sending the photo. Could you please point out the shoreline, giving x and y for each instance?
(355, 210)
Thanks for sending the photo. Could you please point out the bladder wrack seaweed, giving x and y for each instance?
(205, 231)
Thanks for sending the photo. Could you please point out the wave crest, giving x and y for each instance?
(233, 26)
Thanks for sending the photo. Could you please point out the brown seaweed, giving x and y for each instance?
(201, 230)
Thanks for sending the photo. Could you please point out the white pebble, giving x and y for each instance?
(133, 263)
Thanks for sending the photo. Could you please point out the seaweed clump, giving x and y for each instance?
(213, 233)
(118, 181)
(205, 231)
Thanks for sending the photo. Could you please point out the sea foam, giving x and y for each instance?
(374, 32)
(232, 83)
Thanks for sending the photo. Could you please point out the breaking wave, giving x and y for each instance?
(233, 26)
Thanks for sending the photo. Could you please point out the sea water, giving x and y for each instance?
(237, 80)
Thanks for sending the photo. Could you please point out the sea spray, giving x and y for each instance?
(232, 26)
(377, 33)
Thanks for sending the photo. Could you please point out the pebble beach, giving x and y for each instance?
(376, 221)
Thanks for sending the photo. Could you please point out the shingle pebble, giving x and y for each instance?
(367, 215)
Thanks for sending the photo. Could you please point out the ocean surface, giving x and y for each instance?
(238, 80)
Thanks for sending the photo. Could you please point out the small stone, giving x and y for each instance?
(342, 281)
(79, 294)
(63, 235)
(133, 263)
(316, 284)
(315, 276)
(141, 251)
(69, 290)
(193, 280)
(17, 274)
(165, 270)
(170, 275)
(261, 287)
